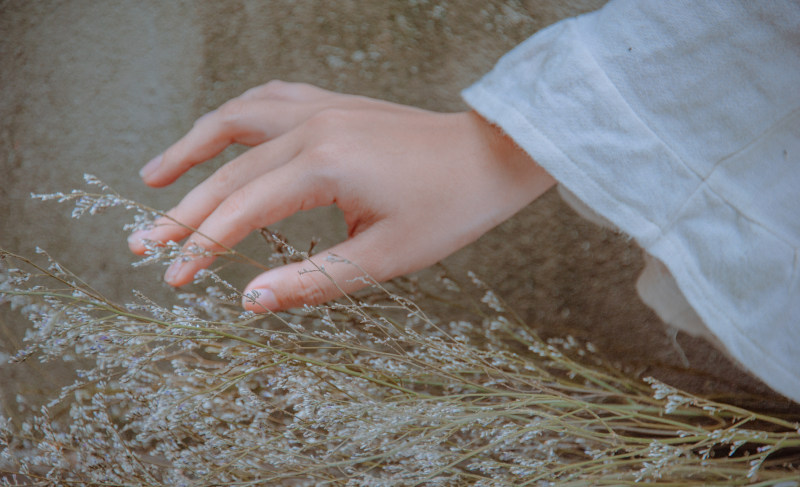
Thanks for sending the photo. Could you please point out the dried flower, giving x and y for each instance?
(366, 391)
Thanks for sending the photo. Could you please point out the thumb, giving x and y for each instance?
(321, 278)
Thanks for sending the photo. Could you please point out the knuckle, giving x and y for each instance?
(324, 154)
(310, 288)
(175, 157)
(329, 120)
(225, 178)
(279, 90)
(283, 90)
(316, 195)
(233, 207)
(325, 174)
(206, 117)
(231, 110)
(274, 89)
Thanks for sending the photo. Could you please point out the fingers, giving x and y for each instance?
(269, 198)
(312, 148)
(260, 114)
(201, 202)
(238, 121)
(287, 91)
(323, 277)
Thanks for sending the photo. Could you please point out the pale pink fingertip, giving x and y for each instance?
(260, 300)
(151, 167)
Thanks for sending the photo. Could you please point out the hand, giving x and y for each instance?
(414, 186)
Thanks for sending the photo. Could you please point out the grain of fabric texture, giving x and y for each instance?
(678, 122)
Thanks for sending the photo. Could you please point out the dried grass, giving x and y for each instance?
(369, 390)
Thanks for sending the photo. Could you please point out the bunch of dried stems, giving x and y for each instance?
(369, 390)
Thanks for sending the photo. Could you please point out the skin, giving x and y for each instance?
(414, 186)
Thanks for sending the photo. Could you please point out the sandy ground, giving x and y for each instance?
(102, 86)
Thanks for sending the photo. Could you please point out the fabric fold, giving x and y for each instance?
(684, 134)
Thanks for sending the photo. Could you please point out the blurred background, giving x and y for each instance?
(100, 87)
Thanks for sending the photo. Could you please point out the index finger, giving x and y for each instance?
(267, 199)
(250, 121)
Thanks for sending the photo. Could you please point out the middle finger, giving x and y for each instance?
(201, 201)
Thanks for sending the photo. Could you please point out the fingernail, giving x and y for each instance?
(264, 300)
(137, 236)
(134, 239)
(151, 167)
(172, 272)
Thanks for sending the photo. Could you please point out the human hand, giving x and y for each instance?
(414, 186)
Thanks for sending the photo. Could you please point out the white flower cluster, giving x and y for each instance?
(95, 203)
(366, 391)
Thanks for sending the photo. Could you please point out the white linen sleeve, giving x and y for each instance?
(679, 122)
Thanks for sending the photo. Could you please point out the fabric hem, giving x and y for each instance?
(548, 155)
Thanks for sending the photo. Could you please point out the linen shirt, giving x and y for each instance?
(679, 123)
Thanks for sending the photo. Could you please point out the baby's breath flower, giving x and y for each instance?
(367, 391)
